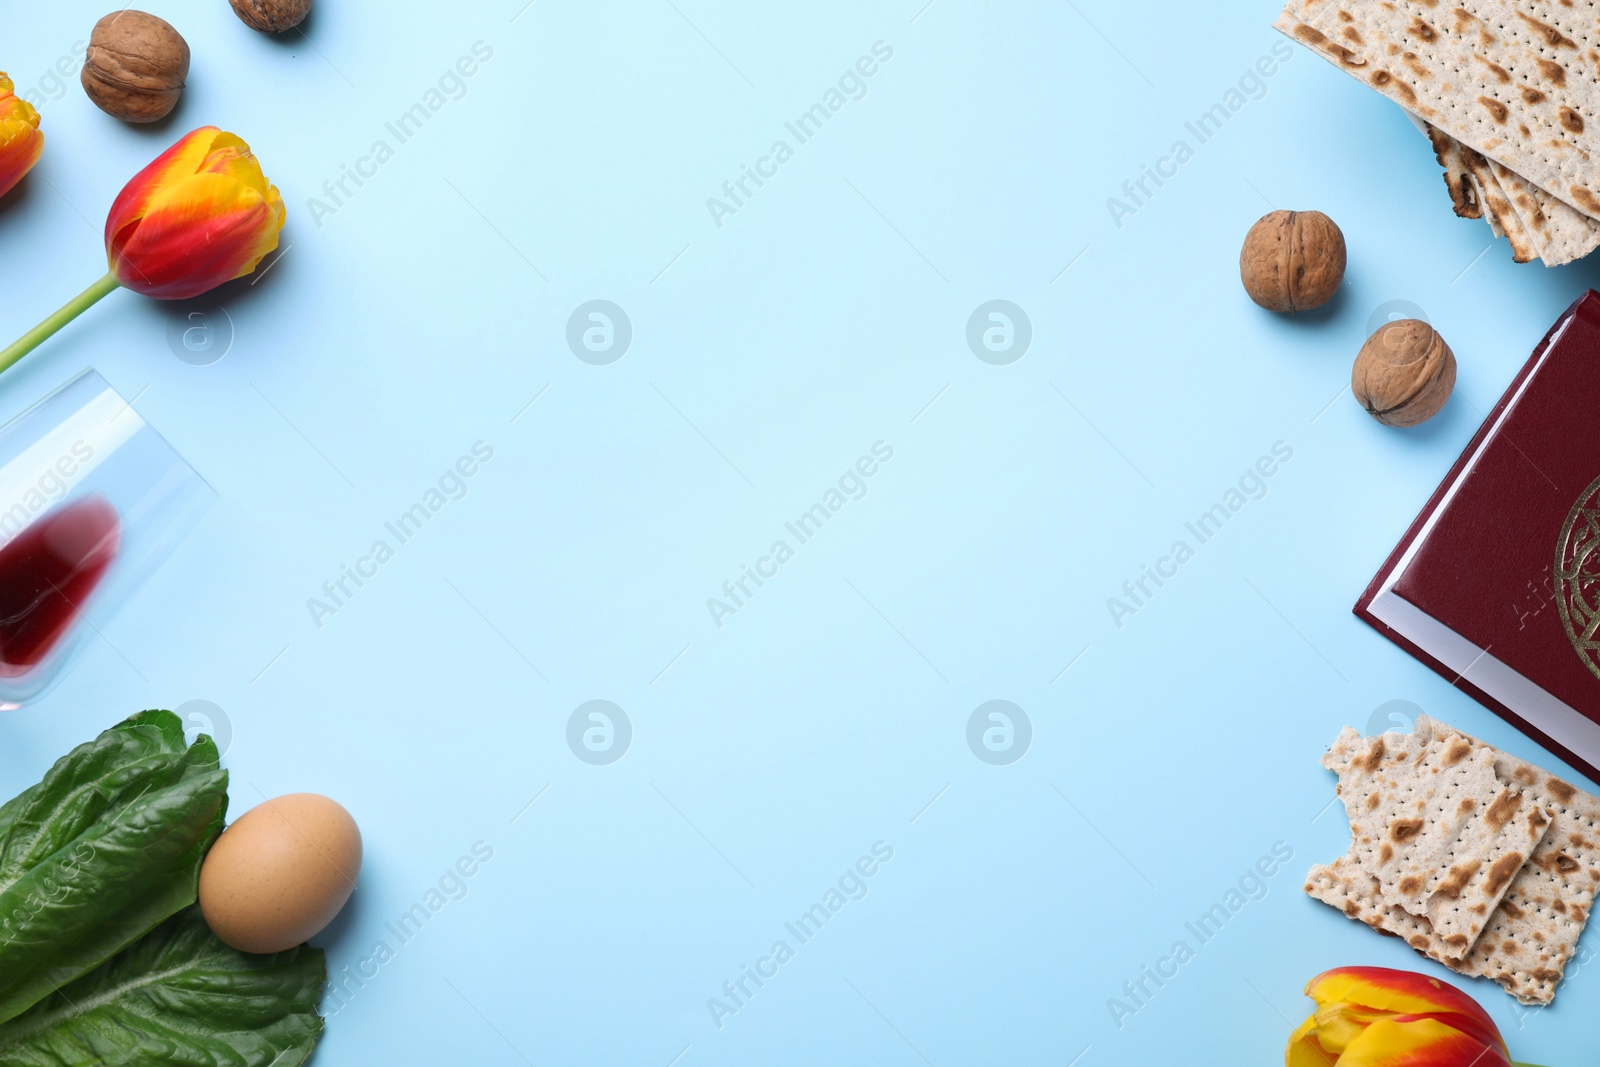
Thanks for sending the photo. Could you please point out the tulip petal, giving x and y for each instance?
(1386, 991)
(21, 143)
(196, 234)
(1305, 1050)
(231, 156)
(1419, 1042)
(1390, 990)
(180, 161)
(1340, 1024)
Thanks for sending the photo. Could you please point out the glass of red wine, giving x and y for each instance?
(92, 499)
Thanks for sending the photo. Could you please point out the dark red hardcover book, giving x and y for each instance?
(1496, 584)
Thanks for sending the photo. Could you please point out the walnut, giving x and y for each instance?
(1292, 260)
(1404, 373)
(271, 16)
(135, 67)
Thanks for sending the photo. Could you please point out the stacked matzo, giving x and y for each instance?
(1485, 863)
(1509, 91)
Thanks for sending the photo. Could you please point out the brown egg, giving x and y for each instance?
(280, 873)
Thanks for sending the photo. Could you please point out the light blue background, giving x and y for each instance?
(829, 313)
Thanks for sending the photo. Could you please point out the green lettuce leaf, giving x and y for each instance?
(178, 997)
(101, 851)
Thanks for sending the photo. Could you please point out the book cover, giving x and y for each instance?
(1513, 561)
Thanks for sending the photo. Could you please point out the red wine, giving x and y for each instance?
(47, 573)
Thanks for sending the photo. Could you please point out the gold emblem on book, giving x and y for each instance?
(1577, 573)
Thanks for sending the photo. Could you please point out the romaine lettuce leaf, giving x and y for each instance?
(178, 997)
(101, 851)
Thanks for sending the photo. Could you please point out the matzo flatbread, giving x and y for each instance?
(1530, 937)
(1344, 885)
(1560, 234)
(1497, 205)
(1555, 890)
(1465, 196)
(1539, 226)
(1431, 821)
(1514, 81)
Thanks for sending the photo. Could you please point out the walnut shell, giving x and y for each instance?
(1404, 373)
(271, 16)
(135, 66)
(1292, 260)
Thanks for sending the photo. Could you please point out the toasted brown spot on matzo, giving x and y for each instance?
(1553, 72)
(1373, 757)
(1504, 807)
(1453, 883)
(1552, 36)
(1403, 830)
(1589, 202)
(1502, 870)
(1500, 73)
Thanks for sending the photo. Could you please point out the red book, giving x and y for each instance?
(1496, 585)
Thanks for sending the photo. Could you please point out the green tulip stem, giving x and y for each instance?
(69, 311)
(1521, 1064)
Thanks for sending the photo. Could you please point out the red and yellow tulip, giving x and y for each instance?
(202, 214)
(20, 139)
(1376, 1017)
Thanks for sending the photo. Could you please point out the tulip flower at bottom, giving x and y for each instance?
(202, 214)
(1376, 1017)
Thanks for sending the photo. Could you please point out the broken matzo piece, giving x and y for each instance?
(1535, 931)
(1443, 836)
(1532, 978)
